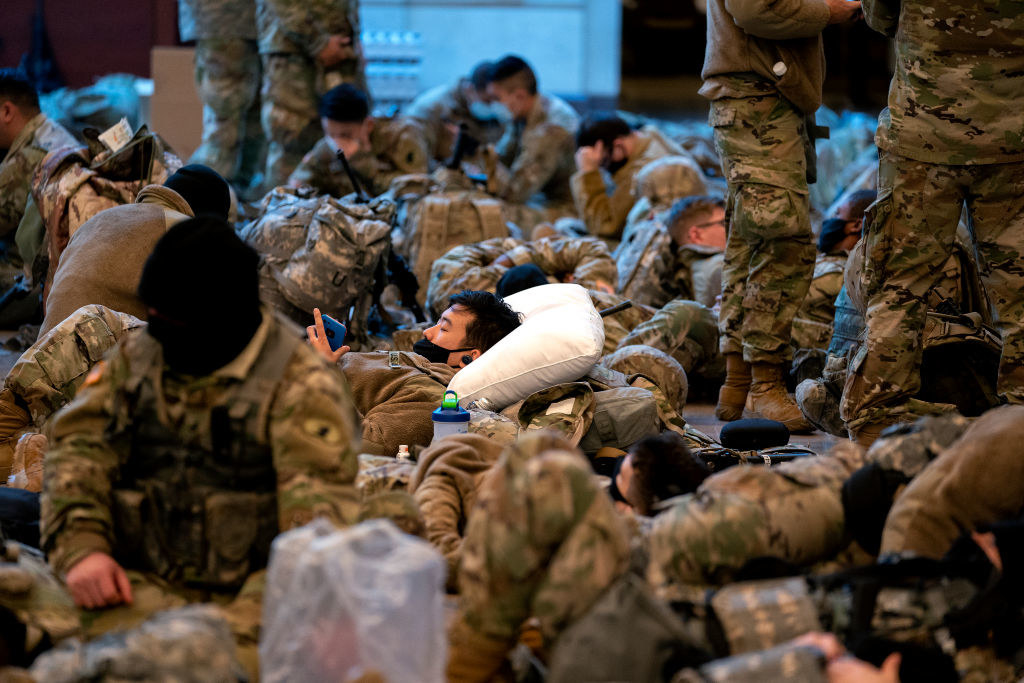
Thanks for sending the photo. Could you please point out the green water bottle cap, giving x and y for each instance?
(450, 400)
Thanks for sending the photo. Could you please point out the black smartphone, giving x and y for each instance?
(335, 332)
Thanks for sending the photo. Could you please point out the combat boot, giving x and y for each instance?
(769, 399)
(733, 394)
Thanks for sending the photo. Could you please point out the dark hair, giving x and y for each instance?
(603, 127)
(480, 75)
(518, 278)
(688, 208)
(663, 467)
(860, 200)
(492, 320)
(345, 103)
(18, 89)
(511, 66)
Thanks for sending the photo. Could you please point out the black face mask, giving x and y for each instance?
(433, 352)
(613, 490)
(198, 350)
(614, 166)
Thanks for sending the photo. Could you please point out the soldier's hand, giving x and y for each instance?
(589, 158)
(97, 580)
(826, 642)
(338, 47)
(318, 339)
(842, 11)
(853, 670)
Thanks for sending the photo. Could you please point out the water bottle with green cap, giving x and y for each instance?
(450, 418)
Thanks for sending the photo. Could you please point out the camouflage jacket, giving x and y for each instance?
(444, 106)
(472, 266)
(542, 541)
(39, 136)
(445, 485)
(538, 154)
(216, 19)
(604, 209)
(47, 376)
(304, 26)
(311, 431)
(397, 147)
(812, 325)
(957, 95)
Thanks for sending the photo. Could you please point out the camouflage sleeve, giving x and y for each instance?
(604, 214)
(15, 183)
(317, 170)
(586, 258)
(409, 154)
(685, 330)
(543, 540)
(467, 266)
(314, 434)
(780, 20)
(542, 151)
(882, 15)
(76, 515)
(440, 503)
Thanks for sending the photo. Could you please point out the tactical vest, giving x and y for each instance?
(202, 512)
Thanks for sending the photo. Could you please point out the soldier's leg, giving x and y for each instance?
(228, 82)
(908, 238)
(254, 142)
(732, 396)
(289, 114)
(685, 330)
(997, 210)
(149, 595)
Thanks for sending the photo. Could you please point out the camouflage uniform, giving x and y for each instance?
(228, 82)
(542, 541)
(397, 147)
(447, 105)
(291, 35)
(685, 330)
(604, 209)
(812, 325)
(138, 439)
(952, 135)
(537, 158)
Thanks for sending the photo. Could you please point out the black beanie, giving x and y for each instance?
(833, 230)
(345, 103)
(201, 280)
(519, 278)
(206, 192)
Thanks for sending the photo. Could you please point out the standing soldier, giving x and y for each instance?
(308, 47)
(953, 135)
(763, 71)
(228, 82)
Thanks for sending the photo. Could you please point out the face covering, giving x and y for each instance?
(614, 166)
(433, 352)
(481, 111)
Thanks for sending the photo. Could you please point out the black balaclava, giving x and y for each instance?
(201, 288)
(519, 278)
(206, 192)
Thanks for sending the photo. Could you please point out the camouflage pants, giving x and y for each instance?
(685, 330)
(542, 541)
(292, 85)
(228, 82)
(769, 256)
(243, 611)
(909, 238)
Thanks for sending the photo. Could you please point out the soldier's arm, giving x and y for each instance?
(467, 266)
(15, 183)
(441, 505)
(314, 435)
(80, 467)
(603, 214)
(538, 160)
(882, 15)
(780, 20)
(409, 154)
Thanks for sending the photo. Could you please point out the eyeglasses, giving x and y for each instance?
(720, 221)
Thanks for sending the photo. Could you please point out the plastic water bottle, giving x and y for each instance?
(450, 418)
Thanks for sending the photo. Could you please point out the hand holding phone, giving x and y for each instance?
(335, 332)
(327, 336)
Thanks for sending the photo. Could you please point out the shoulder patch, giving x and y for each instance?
(95, 374)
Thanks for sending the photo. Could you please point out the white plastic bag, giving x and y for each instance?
(341, 604)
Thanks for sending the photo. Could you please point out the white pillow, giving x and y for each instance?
(560, 340)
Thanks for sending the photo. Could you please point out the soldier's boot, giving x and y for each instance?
(733, 394)
(769, 399)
